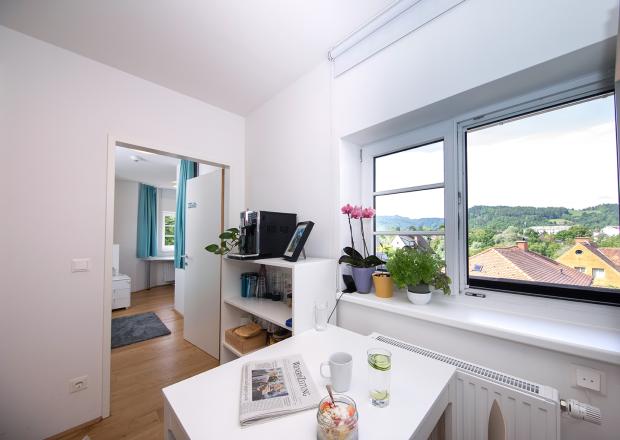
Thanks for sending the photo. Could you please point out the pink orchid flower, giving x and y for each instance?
(346, 209)
(356, 212)
(368, 213)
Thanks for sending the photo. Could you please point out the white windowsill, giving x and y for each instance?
(597, 337)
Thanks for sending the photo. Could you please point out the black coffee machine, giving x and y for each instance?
(264, 234)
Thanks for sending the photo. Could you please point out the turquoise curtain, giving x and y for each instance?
(147, 222)
(187, 170)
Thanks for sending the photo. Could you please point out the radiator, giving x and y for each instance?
(491, 405)
(168, 271)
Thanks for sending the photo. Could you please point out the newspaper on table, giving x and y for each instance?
(275, 388)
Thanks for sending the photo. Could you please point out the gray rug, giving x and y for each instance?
(131, 329)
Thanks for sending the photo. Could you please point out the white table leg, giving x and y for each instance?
(441, 412)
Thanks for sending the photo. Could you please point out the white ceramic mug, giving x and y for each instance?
(340, 370)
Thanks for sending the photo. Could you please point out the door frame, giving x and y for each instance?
(123, 141)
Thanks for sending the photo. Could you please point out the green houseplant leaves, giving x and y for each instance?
(229, 239)
(411, 266)
(355, 259)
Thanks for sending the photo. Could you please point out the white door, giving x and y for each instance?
(202, 269)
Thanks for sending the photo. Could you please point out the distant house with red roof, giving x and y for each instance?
(602, 264)
(518, 263)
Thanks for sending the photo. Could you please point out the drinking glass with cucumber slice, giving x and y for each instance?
(379, 367)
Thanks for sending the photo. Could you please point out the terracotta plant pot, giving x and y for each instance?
(384, 286)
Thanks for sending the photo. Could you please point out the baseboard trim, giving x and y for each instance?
(75, 429)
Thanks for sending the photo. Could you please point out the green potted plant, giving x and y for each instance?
(229, 239)
(418, 270)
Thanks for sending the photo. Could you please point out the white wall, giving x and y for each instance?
(536, 364)
(475, 43)
(290, 158)
(126, 230)
(56, 111)
(167, 201)
(478, 44)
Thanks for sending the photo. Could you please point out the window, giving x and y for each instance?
(522, 198)
(167, 230)
(409, 199)
(540, 187)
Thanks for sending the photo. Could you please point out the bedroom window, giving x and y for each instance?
(409, 199)
(541, 186)
(167, 230)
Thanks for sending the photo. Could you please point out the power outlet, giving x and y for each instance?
(78, 384)
(588, 378)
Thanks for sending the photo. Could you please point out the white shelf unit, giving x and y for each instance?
(273, 311)
(312, 279)
(235, 351)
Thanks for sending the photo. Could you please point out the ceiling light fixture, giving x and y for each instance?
(137, 158)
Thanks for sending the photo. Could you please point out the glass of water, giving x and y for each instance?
(320, 315)
(379, 371)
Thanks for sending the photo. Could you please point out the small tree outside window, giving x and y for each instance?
(167, 238)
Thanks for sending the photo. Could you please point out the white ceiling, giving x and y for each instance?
(152, 169)
(234, 54)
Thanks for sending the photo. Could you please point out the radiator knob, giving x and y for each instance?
(581, 411)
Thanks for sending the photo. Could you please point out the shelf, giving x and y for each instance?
(279, 262)
(273, 311)
(236, 352)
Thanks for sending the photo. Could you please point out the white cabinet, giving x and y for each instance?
(121, 291)
(312, 279)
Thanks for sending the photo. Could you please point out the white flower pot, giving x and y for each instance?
(419, 298)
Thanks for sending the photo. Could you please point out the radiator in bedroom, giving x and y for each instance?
(168, 272)
(490, 405)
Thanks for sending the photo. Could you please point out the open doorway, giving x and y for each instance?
(158, 286)
(145, 199)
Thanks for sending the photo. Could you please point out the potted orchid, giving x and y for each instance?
(362, 266)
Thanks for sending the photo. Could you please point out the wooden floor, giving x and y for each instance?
(140, 371)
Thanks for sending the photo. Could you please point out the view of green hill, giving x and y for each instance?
(399, 223)
(498, 218)
(501, 217)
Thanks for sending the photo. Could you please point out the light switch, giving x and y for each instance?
(80, 265)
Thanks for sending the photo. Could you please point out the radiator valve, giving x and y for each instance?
(581, 411)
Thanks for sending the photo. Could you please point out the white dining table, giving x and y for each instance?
(206, 406)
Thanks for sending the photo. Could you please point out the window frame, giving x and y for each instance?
(404, 190)
(451, 130)
(443, 131)
(164, 247)
(519, 110)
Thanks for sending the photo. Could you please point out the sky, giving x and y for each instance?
(414, 167)
(563, 158)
